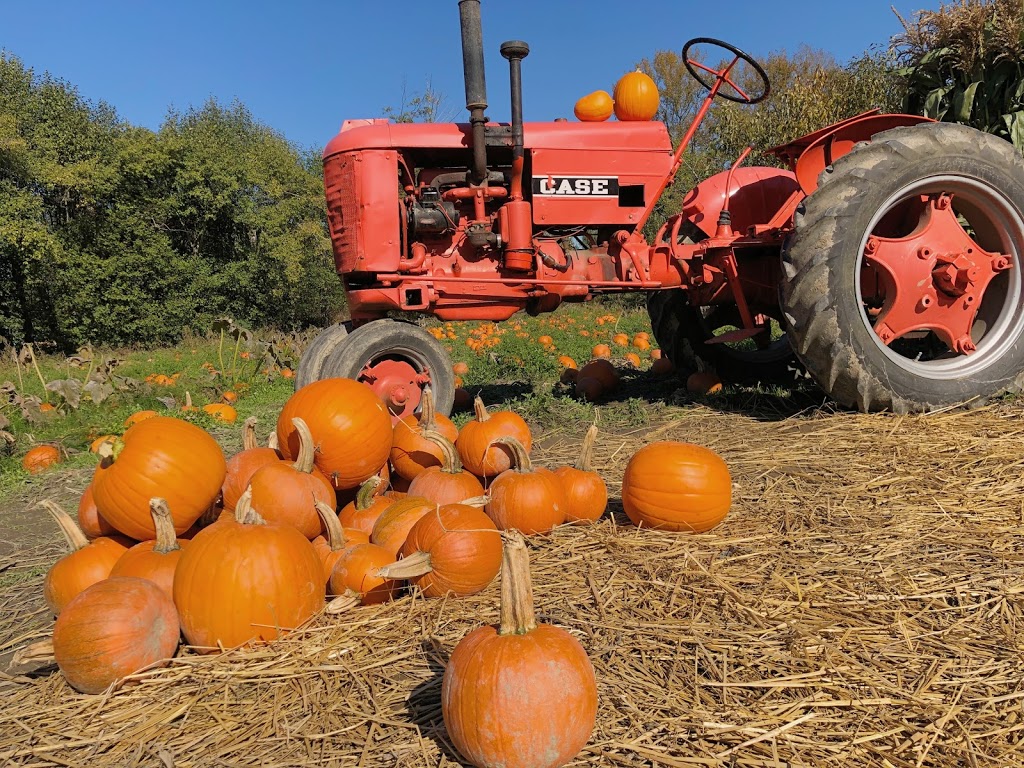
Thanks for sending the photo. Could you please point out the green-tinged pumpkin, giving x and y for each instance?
(159, 457)
(677, 487)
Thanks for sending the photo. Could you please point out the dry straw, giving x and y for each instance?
(859, 606)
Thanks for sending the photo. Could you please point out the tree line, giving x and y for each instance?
(116, 234)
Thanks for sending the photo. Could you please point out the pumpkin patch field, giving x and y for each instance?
(631, 572)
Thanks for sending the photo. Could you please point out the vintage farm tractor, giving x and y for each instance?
(885, 262)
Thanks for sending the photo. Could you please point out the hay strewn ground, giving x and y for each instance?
(859, 606)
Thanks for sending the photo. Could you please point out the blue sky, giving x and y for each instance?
(302, 67)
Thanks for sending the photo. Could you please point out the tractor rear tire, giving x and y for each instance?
(682, 332)
(312, 360)
(380, 341)
(821, 293)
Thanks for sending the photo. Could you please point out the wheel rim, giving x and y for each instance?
(398, 380)
(938, 277)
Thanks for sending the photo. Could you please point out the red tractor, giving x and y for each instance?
(887, 257)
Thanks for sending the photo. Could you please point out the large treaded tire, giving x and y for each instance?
(320, 348)
(395, 338)
(681, 331)
(821, 298)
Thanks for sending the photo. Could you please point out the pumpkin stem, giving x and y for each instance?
(428, 420)
(517, 615)
(368, 491)
(244, 513)
(416, 564)
(72, 533)
(520, 456)
(109, 450)
(166, 538)
(477, 502)
(345, 602)
(450, 461)
(336, 538)
(587, 451)
(32, 658)
(480, 410)
(273, 443)
(307, 448)
(188, 400)
(249, 434)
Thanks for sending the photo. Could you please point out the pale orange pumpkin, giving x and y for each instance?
(594, 107)
(677, 487)
(636, 97)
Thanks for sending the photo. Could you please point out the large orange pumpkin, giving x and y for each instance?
(88, 563)
(594, 107)
(242, 580)
(522, 694)
(453, 549)
(476, 443)
(350, 426)
(676, 487)
(90, 520)
(411, 451)
(114, 628)
(154, 560)
(159, 457)
(636, 97)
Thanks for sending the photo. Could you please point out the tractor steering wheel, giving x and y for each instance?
(722, 76)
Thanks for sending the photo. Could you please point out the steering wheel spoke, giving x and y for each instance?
(722, 76)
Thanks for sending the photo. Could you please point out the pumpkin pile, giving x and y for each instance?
(635, 98)
(227, 551)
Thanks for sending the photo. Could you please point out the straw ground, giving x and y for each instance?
(860, 605)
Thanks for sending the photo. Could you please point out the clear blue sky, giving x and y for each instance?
(302, 67)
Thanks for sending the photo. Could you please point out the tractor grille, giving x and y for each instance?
(342, 209)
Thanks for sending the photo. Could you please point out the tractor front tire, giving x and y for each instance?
(827, 319)
(312, 360)
(682, 332)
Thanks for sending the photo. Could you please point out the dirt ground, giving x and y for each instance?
(860, 605)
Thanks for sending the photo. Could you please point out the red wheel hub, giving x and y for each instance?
(397, 383)
(932, 279)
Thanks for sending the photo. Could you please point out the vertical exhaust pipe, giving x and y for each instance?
(476, 87)
(516, 214)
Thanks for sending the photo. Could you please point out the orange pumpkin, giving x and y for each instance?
(221, 412)
(154, 560)
(476, 444)
(163, 457)
(338, 540)
(362, 512)
(703, 383)
(243, 465)
(676, 487)
(94, 446)
(392, 528)
(662, 366)
(138, 416)
(586, 495)
(411, 451)
(594, 107)
(545, 340)
(40, 458)
(460, 368)
(621, 339)
(112, 629)
(527, 499)
(603, 371)
(448, 483)
(453, 549)
(463, 401)
(602, 351)
(357, 572)
(350, 426)
(89, 561)
(92, 523)
(567, 362)
(499, 699)
(243, 579)
(636, 97)
(287, 493)
(589, 389)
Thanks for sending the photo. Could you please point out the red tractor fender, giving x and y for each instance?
(757, 194)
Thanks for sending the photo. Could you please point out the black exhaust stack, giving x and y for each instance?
(476, 87)
(515, 51)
